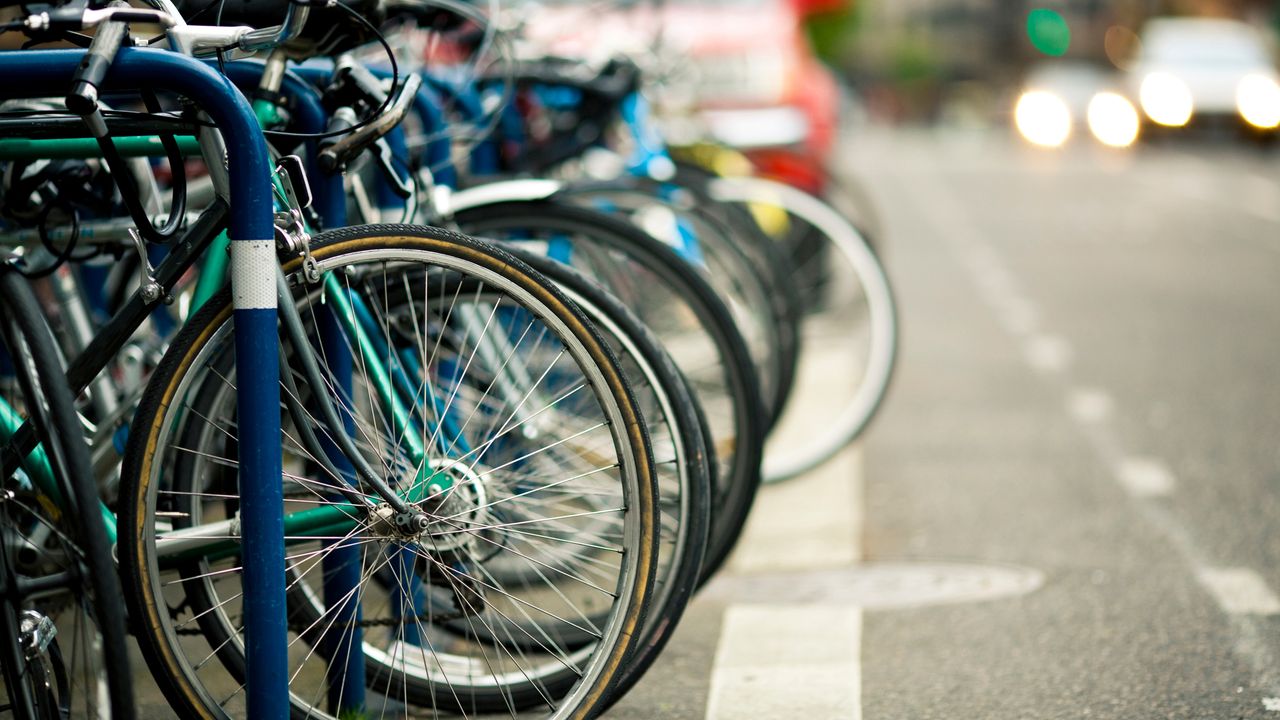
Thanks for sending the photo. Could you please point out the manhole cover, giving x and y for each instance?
(878, 586)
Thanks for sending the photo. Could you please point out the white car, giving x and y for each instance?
(1060, 99)
(1197, 68)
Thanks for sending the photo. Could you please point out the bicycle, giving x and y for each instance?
(637, 491)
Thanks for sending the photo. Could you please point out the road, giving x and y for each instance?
(1070, 506)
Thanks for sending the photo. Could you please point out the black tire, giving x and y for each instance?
(742, 264)
(686, 525)
(853, 315)
(185, 379)
(80, 531)
(620, 252)
(683, 466)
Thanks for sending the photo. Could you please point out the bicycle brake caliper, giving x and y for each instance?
(292, 195)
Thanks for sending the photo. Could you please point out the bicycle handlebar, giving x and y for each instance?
(335, 156)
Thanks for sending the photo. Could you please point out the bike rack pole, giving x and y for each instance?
(31, 73)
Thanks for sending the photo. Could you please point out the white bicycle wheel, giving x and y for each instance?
(849, 338)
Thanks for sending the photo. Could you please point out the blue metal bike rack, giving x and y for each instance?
(31, 73)
(341, 567)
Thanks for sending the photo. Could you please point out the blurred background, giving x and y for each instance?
(1078, 203)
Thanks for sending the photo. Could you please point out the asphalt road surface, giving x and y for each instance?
(1070, 506)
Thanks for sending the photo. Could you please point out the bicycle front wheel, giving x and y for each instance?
(500, 415)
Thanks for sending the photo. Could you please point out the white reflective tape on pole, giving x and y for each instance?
(253, 274)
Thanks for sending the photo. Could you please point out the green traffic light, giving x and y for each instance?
(1048, 32)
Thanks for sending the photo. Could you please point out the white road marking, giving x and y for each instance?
(782, 662)
(1144, 477)
(1089, 405)
(1239, 591)
(828, 499)
(1019, 317)
(1048, 353)
(1271, 704)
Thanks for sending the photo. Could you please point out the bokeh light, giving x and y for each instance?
(1258, 98)
(1043, 119)
(1048, 32)
(1121, 46)
(1113, 120)
(1166, 99)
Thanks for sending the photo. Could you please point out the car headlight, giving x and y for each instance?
(1166, 99)
(1113, 120)
(1258, 99)
(1043, 118)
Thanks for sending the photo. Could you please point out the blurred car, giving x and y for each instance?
(759, 86)
(747, 69)
(1190, 69)
(1060, 99)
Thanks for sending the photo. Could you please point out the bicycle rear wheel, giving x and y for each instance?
(548, 527)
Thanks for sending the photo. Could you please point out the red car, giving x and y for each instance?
(761, 88)
(754, 80)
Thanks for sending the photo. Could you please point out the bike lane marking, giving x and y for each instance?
(788, 661)
(782, 661)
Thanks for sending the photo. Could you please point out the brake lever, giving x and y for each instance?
(403, 187)
(334, 158)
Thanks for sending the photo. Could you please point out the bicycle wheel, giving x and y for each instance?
(682, 311)
(850, 329)
(532, 465)
(678, 430)
(673, 421)
(733, 263)
(62, 630)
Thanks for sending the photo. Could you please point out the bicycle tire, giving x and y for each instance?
(160, 420)
(741, 267)
(51, 407)
(872, 315)
(651, 267)
(654, 368)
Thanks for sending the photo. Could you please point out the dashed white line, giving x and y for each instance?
(1048, 353)
(781, 662)
(1239, 591)
(1145, 477)
(1089, 405)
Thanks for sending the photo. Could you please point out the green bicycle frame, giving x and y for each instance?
(200, 542)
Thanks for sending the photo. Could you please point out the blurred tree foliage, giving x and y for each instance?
(833, 32)
(913, 60)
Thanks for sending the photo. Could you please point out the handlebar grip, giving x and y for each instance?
(137, 16)
(83, 98)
